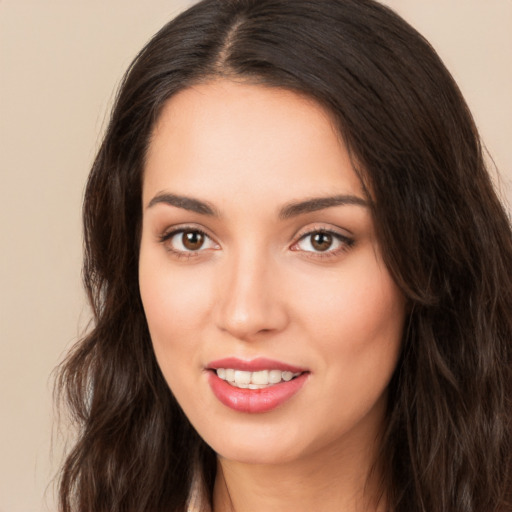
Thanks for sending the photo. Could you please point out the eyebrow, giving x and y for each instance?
(291, 209)
(314, 204)
(184, 202)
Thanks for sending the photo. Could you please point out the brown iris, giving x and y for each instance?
(192, 240)
(321, 241)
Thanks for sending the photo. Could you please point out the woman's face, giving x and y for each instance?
(259, 262)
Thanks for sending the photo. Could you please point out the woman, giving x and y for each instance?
(299, 273)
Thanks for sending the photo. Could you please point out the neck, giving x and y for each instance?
(338, 479)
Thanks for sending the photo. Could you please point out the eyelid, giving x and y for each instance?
(345, 240)
(172, 231)
(345, 234)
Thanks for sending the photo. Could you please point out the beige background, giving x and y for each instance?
(60, 61)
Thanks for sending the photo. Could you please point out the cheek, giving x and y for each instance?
(176, 305)
(362, 303)
(355, 320)
(355, 326)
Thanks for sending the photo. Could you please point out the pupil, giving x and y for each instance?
(322, 241)
(193, 240)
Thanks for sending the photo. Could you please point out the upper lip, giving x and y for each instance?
(253, 365)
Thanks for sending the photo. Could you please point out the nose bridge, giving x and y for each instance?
(249, 300)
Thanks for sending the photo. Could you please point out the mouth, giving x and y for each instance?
(254, 386)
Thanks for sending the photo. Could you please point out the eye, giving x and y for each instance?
(322, 241)
(188, 241)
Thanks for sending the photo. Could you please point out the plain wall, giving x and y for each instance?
(60, 61)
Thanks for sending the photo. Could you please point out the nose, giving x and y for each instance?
(250, 300)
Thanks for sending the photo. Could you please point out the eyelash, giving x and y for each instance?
(346, 243)
(167, 236)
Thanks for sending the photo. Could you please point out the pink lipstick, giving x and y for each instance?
(255, 386)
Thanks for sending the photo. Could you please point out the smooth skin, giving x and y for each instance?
(236, 260)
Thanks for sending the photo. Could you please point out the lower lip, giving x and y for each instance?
(255, 400)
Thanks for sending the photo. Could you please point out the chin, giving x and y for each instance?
(259, 445)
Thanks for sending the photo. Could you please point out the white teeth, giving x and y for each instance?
(242, 377)
(260, 377)
(274, 376)
(254, 380)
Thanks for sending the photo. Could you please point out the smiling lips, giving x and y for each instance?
(255, 386)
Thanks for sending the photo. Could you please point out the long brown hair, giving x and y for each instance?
(444, 235)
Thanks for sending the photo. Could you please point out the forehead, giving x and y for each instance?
(243, 138)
